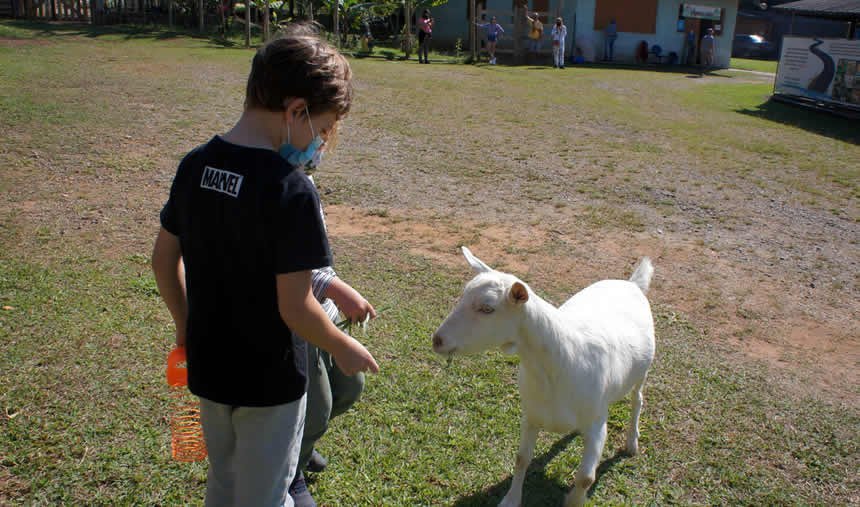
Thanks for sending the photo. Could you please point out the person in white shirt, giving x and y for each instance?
(708, 48)
(559, 32)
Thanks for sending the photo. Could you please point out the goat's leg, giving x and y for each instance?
(528, 437)
(635, 409)
(594, 438)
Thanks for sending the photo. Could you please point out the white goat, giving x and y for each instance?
(575, 360)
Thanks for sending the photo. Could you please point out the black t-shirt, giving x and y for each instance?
(242, 216)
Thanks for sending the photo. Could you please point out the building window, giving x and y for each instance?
(541, 6)
(634, 17)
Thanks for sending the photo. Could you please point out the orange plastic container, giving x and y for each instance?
(186, 432)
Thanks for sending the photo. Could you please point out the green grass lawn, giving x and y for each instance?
(96, 122)
(752, 64)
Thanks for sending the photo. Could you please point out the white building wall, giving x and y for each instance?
(667, 35)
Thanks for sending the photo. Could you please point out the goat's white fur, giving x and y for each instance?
(575, 360)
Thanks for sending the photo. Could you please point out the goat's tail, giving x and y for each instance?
(642, 274)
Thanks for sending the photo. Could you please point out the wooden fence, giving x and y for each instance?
(67, 10)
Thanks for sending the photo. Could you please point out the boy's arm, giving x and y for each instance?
(304, 316)
(170, 278)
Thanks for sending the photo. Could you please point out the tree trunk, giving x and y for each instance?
(408, 14)
(247, 23)
(200, 6)
(473, 32)
(221, 10)
(266, 31)
(336, 12)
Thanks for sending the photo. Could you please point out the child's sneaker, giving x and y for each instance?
(317, 462)
(299, 492)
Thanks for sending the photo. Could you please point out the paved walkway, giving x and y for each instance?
(757, 72)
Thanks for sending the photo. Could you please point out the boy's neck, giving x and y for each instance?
(257, 129)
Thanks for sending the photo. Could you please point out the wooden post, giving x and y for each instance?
(247, 23)
(408, 14)
(266, 29)
(518, 23)
(336, 16)
(222, 15)
(473, 43)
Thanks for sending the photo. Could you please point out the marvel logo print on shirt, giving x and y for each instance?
(222, 181)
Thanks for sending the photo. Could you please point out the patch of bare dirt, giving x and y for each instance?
(11, 487)
(742, 305)
(17, 43)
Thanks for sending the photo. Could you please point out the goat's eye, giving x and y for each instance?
(486, 309)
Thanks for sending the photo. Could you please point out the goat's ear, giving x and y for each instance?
(475, 262)
(519, 293)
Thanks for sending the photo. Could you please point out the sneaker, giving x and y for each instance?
(299, 492)
(316, 463)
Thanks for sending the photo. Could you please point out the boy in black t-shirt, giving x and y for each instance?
(241, 232)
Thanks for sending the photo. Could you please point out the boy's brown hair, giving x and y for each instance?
(300, 64)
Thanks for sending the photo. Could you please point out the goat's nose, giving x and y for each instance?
(437, 341)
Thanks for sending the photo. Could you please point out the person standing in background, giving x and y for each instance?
(610, 33)
(535, 32)
(559, 32)
(690, 53)
(425, 33)
(494, 31)
(709, 50)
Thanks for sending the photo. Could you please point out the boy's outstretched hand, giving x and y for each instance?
(354, 358)
(303, 314)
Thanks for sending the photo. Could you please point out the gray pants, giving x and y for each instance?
(609, 47)
(253, 452)
(330, 393)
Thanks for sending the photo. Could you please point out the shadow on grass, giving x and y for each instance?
(538, 489)
(61, 29)
(818, 122)
(379, 55)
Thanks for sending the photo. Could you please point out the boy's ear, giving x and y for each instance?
(294, 106)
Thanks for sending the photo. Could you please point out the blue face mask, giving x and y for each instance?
(307, 159)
